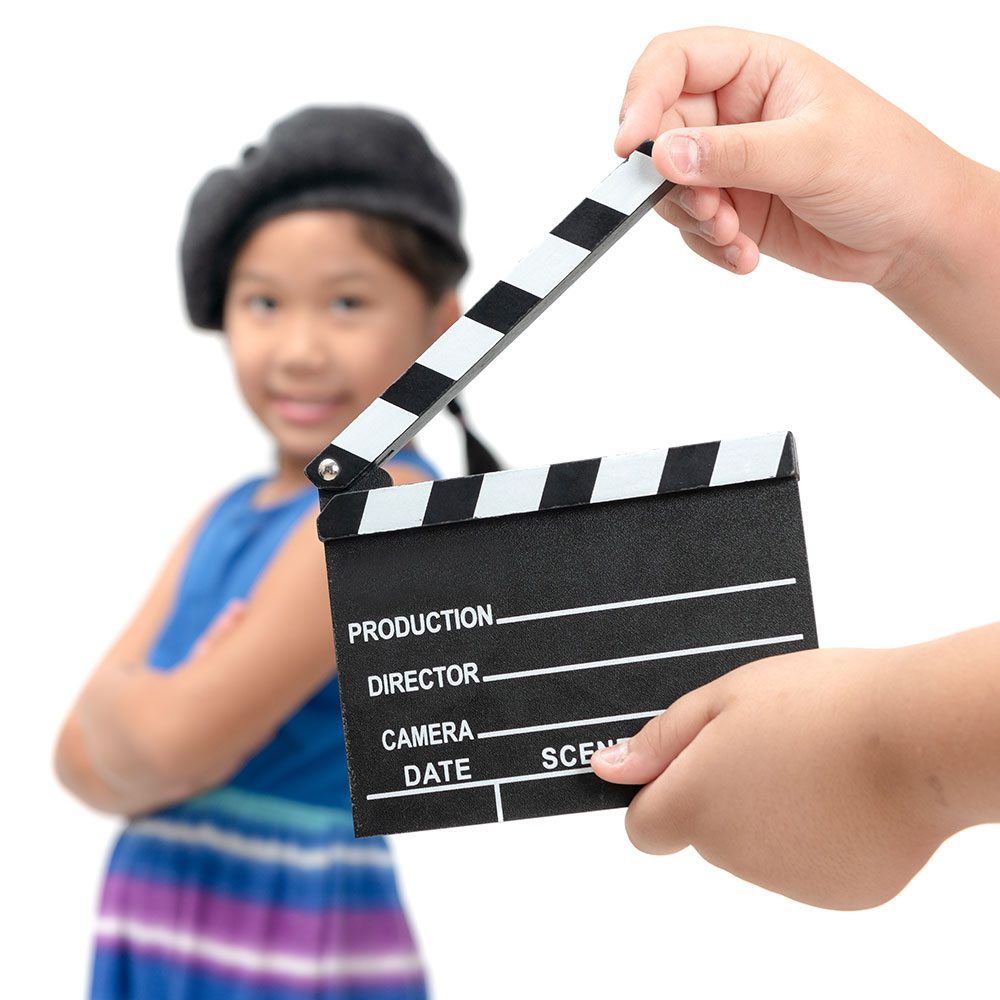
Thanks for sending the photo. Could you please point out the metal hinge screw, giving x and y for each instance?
(329, 469)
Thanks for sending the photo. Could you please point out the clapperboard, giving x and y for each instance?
(492, 632)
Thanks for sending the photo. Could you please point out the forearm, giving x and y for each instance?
(179, 732)
(944, 701)
(128, 720)
(948, 282)
(173, 735)
(76, 771)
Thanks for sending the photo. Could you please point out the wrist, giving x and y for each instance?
(945, 274)
(945, 189)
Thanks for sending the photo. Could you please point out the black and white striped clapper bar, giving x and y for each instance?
(493, 631)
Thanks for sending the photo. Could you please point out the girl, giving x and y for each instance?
(329, 256)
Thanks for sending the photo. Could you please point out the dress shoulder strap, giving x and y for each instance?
(411, 457)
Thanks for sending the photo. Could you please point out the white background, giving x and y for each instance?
(119, 423)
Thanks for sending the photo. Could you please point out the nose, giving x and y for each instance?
(304, 344)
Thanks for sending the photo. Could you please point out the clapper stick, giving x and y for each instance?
(493, 631)
(491, 325)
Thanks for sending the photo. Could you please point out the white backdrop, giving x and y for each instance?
(119, 423)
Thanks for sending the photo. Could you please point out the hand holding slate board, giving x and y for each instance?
(493, 631)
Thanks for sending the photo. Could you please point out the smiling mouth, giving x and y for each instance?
(307, 412)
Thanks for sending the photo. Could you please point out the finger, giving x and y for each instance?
(698, 202)
(740, 256)
(224, 624)
(647, 754)
(779, 157)
(231, 616)
(662, 818)
(688, 111)
(719, 228)
(696, 61)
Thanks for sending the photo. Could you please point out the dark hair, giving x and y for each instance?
(365, 160)
(436, 269)
(419, 253)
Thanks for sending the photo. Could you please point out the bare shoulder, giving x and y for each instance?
(292, 593)
(298, 568)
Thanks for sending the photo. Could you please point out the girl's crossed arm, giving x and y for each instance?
(138, 738)
(74, 764)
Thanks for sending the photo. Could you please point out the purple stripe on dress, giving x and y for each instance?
(303, 986)
(335, 931)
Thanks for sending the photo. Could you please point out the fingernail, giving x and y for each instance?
(614, 754)
(731, 255)
(683, 153)
(622, 118)
(707, 228)
(687, 199)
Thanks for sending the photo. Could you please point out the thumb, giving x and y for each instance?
(776, 156)
(645, 756)
(230, 616)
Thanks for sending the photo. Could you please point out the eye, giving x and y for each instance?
(262, 303)
(346, 303)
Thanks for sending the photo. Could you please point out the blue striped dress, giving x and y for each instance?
(256, 890)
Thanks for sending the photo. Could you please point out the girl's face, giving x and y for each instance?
(319, 325)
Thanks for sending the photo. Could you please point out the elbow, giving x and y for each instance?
(70, 760)
(63, 765)
(148, 759)
(74, 771)
(144, 756)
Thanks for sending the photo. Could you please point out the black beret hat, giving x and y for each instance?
(364, 159)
